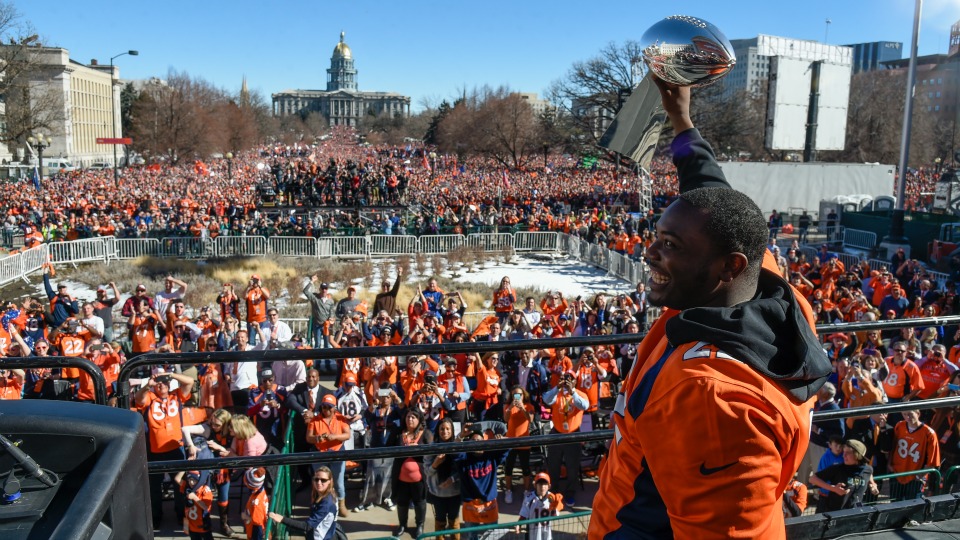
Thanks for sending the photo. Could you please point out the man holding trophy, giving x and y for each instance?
(713, 419)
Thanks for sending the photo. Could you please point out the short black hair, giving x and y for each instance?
(735, 223)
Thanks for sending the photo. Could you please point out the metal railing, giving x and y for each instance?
(573, 525)
(54, 362)
(859, 239)
(281, 500)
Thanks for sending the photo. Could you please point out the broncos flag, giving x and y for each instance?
(36, 177)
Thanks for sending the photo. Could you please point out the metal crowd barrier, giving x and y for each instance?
(20, 265)
(131, 248)
(78, 251)
(441, 243)
(247, 246)
(859, 239)
(573, 525)
(30, 362)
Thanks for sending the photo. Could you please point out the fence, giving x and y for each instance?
(567, 526)
(859, 239)
(107, 248)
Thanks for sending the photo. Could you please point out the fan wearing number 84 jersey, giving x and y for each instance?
(915, 447)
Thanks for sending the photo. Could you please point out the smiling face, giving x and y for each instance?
(684, 267)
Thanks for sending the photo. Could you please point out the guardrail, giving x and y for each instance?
(859, 239)
(20, 265)
(53, 362)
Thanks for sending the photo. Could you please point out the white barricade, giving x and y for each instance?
(877, 264)
(300, 326)
(11, 268)
(243, 246)
(941, 280)
(324, 248)
(849, 261)
(859, 239)
(78, 251)
(383, 244)
(491, 241)
(535, 241)
(348, 247)
(293, 246)
(131, 248)
(441, 243)
(33, 259)
(186, 248)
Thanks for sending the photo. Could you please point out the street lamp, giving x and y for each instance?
(113, 110)
(40, 143)
(229, 157)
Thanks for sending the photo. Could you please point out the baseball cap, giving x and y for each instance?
(254, 276)
(330, 400)
(324, 285)
(141, 287)
(541, 477)
(588, 350)
(266, 374)
(858, 447)
(838, 335)
(351, 288)
(350, 378)
(570, 372)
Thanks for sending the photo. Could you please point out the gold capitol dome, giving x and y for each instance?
(342, 49)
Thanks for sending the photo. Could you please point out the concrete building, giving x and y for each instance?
(78, 100)
(539, 106)
(342, 104)
(753, 58)
(870, 56)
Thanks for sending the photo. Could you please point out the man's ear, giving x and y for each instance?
(734, 265)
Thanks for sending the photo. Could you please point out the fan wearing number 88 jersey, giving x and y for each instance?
(915, 447)
(351, 402)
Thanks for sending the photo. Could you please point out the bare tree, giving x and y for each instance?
(592, 88)
(28, 104)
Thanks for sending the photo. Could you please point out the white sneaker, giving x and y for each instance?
(508, 497)
(389, 504)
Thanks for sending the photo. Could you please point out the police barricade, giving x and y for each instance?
(849, 261)
(859, 239)
(293, 246)
(491, 241)
(78, 251)
(877, 264)
(240, 246)
(535, 241)
(300, 326)
(441, 243)
(383, 244)
(11, 269)
(131, 248)
(33, 259)
(185, 248)
(347, 247)
(54, 362)
(324, 248)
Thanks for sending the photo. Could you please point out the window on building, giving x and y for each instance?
(936, 108)
(939, 81)
(938, 94)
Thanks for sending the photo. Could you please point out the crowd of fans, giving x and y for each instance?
(241, 408)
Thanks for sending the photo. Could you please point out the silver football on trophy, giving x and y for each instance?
(687, 51)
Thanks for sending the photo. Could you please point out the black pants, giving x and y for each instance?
(446, 508)
(564, 454)
(406, 492)
(156, 487)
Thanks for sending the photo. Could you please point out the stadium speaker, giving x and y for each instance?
(854, 520)
(943, 507)
(897, 514)
(811, 527)
(72, 471)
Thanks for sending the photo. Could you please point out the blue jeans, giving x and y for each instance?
(336, 470)
(252, 332)
(320, 341)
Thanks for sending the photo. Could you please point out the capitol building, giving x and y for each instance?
(341, 103)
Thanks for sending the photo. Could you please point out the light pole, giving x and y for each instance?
(113, 110)
(40, 143)
(229, 157)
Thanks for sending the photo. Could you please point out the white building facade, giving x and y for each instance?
(342, 104)
(87, 96)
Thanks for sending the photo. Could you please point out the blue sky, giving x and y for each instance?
(431, 50)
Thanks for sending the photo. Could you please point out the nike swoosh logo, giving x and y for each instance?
(706, 471)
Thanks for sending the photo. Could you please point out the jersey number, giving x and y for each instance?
(157, 410)
(904, 452)
(892, 379)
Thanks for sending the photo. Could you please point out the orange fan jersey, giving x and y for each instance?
(914, 450)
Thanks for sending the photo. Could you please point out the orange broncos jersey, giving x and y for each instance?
(914, 450)
(720, 476)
